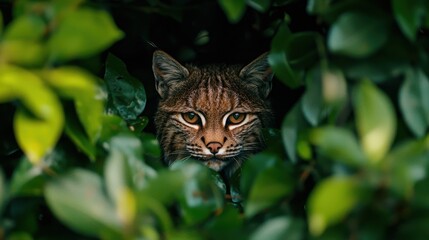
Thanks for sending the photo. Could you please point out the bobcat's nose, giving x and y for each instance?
(214, 147)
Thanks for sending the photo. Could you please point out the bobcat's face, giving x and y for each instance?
(213, 114)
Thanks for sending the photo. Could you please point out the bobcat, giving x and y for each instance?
(214, 114)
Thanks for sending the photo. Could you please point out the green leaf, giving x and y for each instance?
(27, 180)
(278, 59)
(312, 103)
(358, 35)
(78, 200)
(200, 197)
(331, 201)
(127, 96)
(414, 101)
(269, 186)
(338, 144)
(279, 227)
(234, 10)
(260, 5)
(22, 52)
(253, 166)
(83, 33)
(39, 125)
(76, 132)
(289, 131)
(26, 28)
(410, 15)
(318, 6)
(83, 88)
(375, 120)
(302, 49)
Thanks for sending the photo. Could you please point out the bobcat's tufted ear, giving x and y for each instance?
(167, 72)
(258, 74)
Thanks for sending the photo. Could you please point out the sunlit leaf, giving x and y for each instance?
(414, 101)
(334, 87)
(83, 88)
(234, 10)
(39, 123)
(278, 60)
(126, 95)
(79, 201)
(338, 144)
(410, 15)
(375, 120)
(83, 33)
(357, 34)
(23, 52)
(331, 201)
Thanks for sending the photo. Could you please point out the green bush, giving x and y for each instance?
(349, 161)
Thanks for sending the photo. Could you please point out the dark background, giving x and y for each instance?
(179, 34)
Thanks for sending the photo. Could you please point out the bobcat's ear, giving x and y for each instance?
(167, 72)
(258, 74)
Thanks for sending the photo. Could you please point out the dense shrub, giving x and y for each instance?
(348, 160)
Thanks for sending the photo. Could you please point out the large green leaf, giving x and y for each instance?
(269, 186)
(234, 10)
(331, 201)
(410, 15)
(312, 104)
(375, 120)
(414, 101)
(88, 97)
(22, 52)
(338, 144)
(83, 33)
(126, 95)
(39, 123)
(278, 58)
(79, 201)
(358, 35)
(26, 27)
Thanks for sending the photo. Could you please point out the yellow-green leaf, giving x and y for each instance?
(375, 120)
(331, 201)
(83, 88)
(39, 122)
(83, 33)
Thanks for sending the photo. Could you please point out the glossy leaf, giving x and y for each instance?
(83, 33)
(358, 35)
(278, 59)
(331, 201)
(39, 125)
(126, 95)
(269, 186)
(414, 101)
(78, 200)
(234, 10)
(83, 89)
(410, 15)
(375, 120)
(338, 144)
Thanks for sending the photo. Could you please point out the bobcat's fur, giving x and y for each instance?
(214, 114)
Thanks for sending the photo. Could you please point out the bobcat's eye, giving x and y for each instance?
(236, 118)
(191, 117)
